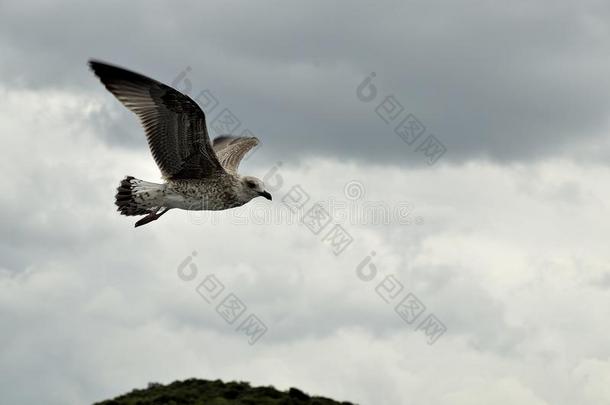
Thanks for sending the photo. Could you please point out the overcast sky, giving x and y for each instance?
(501, 236)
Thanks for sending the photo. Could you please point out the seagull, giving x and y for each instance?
(198, 174)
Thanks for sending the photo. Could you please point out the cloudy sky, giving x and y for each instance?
(491, 213)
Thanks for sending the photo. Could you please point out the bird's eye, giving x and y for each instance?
(251, 184)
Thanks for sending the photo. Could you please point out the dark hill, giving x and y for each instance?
(203, 392)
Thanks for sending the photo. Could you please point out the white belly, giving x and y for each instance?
(191, 203)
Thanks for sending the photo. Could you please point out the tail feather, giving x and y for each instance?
(129, 197)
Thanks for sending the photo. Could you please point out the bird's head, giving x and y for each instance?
(251, 187)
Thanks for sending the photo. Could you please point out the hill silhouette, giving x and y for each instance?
(203, 392)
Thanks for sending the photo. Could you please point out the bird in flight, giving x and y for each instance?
(198, 174)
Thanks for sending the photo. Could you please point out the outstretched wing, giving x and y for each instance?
(231, 150)
(174, 123)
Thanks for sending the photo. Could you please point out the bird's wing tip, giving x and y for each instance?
(92, 62)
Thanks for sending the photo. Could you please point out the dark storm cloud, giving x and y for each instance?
(495, 80)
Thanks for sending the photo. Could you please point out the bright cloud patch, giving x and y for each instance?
(512, 260)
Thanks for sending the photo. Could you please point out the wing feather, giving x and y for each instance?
(231, 150)
(174, 124)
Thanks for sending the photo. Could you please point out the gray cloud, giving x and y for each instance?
(511, 257)
(502, 82)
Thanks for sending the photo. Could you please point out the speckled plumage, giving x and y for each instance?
(214, 193)
(199, 174)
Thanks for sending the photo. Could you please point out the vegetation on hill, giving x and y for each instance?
(203, 392)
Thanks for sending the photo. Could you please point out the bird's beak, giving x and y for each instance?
(266, 195)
